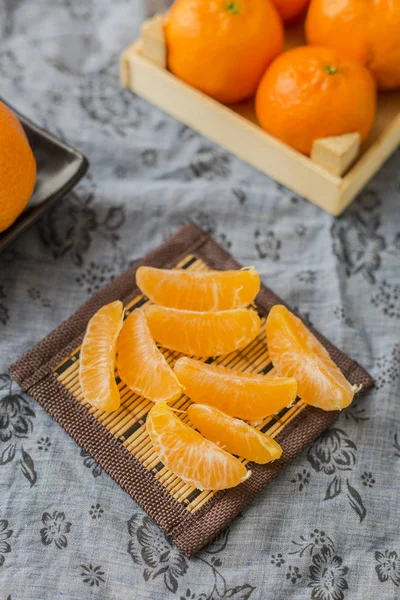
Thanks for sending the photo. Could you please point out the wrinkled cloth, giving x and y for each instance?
(67, 530)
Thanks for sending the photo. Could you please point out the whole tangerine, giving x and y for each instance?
(365, 31)
(312, 92)
(290, 10)
(222, 47)
(17, 168)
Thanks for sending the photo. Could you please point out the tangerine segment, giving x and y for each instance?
(189, 455)
(97, 358)
(212, 290)
(202, 333)
(141, 365)
(295, 352)
(244, 395)
(234, 435)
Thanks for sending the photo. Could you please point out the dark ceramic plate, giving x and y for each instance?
(59, 168)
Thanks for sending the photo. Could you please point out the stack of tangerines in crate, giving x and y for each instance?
(206, 314)
(233, 49)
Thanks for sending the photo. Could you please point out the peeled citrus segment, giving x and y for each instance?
(244, 395)
(189, 455)
(141, 365)
(211, 290)
(97, 358)
(234, 435)
(295, 352)
(202, 333)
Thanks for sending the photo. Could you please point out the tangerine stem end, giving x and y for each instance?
(232, 7)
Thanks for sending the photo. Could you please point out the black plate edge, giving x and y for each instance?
(41, 209)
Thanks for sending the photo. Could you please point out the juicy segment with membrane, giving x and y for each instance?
(210, 290)
(141, 365)
(202, 333)
(189, 455)
(296, 352)
(234, 435)
(97, 357)
(246, 395)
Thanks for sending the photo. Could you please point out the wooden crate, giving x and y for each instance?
(235, 128)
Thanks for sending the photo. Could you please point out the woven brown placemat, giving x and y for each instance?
(48, 372)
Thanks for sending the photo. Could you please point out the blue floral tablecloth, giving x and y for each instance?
(328, 527)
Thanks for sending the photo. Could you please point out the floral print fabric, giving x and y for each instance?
(327, 527)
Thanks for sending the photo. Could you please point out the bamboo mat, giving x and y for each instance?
(128, 423)
(119, 441)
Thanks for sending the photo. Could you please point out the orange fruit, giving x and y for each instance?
(290, 10)
(311, 92)
(296, 352)
(223, 48)
(233, 435)
(97, 357)
(211, 290)
(17, 168)
(245, 395)
(365, 31)
(202, 333)
(189, 455)
(141, 365)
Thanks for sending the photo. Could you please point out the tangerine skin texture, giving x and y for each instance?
(367, 31)
(299, 101)
(290, 10)
(223, 52)
(17, 168)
